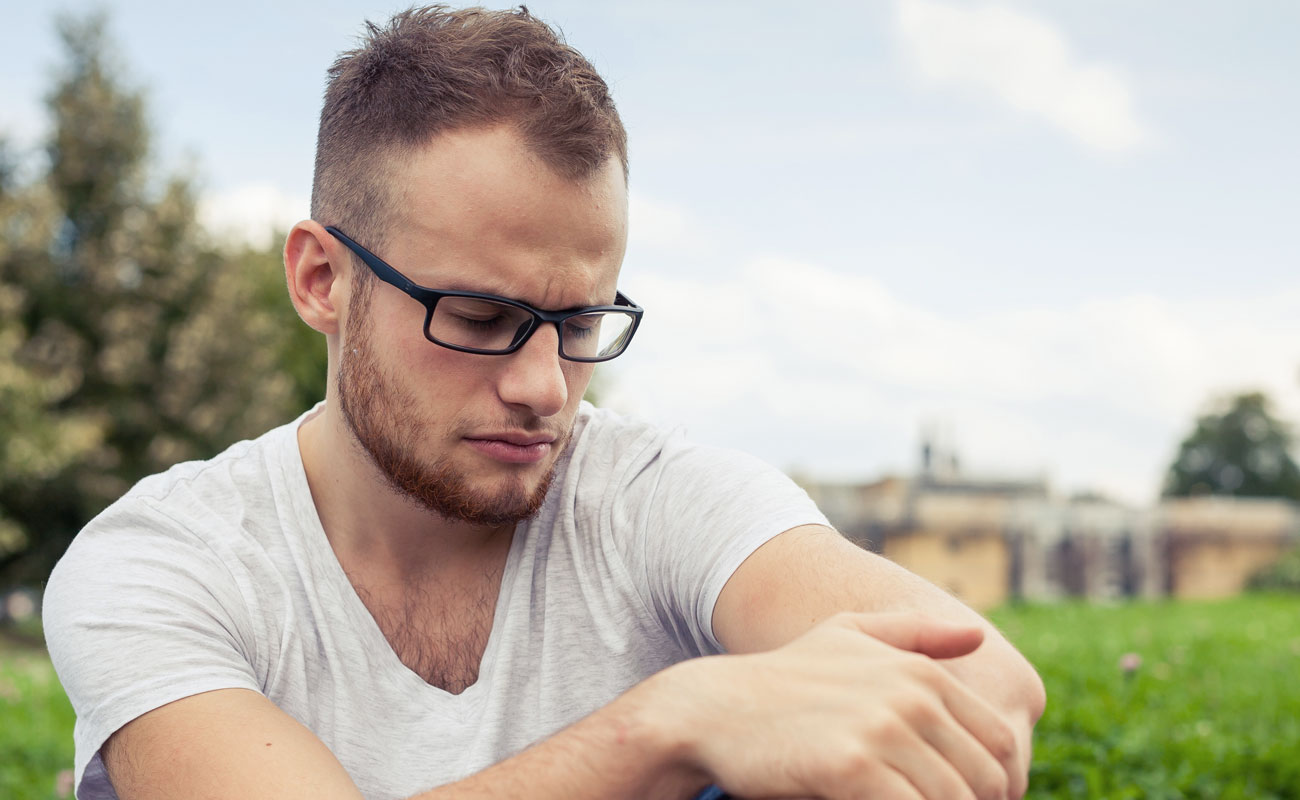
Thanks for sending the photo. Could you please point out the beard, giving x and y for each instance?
(382, 418)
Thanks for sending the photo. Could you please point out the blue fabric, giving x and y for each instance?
(712, 793)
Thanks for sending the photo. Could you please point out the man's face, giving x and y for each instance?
(475, 437)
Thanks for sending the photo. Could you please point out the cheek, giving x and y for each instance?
(448, 377)
(578, 377)
(433, 376)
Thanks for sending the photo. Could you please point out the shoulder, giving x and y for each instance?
(178, 525)
(250, 471)
(611, 450)
(206, 497)
(635, 459)
(600, 430)
(605, 436)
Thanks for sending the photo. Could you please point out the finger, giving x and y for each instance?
(884, 783)
(973, 765)
(931, 770)
(986, 725)
(919, 633)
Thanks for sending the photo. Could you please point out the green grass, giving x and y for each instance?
(35, 726)
(1212, 713)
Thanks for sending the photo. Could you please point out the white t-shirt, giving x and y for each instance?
(217, 574)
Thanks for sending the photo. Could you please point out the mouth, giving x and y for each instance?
(513, 447)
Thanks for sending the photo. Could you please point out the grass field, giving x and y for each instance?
(35, 726)
(1211, 712)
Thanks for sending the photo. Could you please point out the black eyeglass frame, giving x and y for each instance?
(429, 299)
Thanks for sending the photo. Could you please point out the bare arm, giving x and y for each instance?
(845, 706)
(806, 575)
(237, 743)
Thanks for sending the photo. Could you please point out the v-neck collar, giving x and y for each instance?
(361, 622)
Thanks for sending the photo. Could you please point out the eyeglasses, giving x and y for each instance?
(473, 322)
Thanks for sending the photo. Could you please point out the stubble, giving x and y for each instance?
(384, 420)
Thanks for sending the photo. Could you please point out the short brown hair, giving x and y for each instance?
(432, 70)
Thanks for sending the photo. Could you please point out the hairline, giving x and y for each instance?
(386, 160)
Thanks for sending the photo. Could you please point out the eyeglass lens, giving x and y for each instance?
(490, 326)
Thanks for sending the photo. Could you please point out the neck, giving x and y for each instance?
(373, 528)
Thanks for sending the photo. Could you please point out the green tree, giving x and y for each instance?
(35, 445)
(1237, 448)
(127, 341)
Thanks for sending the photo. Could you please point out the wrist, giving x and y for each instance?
(670, 715)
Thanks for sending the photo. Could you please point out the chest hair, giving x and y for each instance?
(438, 630)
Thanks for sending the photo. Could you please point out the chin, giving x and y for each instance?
(500, 502)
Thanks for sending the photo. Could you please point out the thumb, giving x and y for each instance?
(919, 633)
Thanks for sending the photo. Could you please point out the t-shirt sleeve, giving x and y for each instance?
(138, 613)
(696, 513)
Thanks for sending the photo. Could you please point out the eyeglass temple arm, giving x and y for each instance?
(386, 273)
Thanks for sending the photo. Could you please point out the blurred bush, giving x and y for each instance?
(1281, 576)
(128, 340)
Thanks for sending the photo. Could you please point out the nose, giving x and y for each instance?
(532, 376)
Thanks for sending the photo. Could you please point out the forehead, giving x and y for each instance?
(478, 211)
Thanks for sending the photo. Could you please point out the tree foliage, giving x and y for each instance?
(1238, 448)
(128, 342)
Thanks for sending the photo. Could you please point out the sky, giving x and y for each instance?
(1048, 233)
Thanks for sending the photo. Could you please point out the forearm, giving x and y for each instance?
(821, 573)
(627, 749)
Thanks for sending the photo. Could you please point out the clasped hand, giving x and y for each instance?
(861, 706)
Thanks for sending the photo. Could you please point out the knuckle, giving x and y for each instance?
(918, 708)
(852, 764)
(1002, 743)
(887, 728)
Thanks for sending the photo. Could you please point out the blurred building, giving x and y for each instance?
(989, 539)
(1212, 545)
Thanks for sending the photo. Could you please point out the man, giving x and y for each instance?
(454, 579)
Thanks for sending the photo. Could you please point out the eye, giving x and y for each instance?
(480, 323)
(473, 314)
(581, 327)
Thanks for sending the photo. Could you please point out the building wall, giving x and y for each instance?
(988, 543)
(1218, 566)
(1214, 544)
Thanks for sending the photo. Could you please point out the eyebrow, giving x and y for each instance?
(459, 286)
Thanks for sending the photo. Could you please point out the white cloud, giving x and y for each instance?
(833, 373)
(655, 224)
(1025, 62)
(257, 214)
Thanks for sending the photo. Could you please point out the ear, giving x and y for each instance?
(316, 272)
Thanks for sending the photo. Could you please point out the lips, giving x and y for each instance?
(512, 447)
(521, 439)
